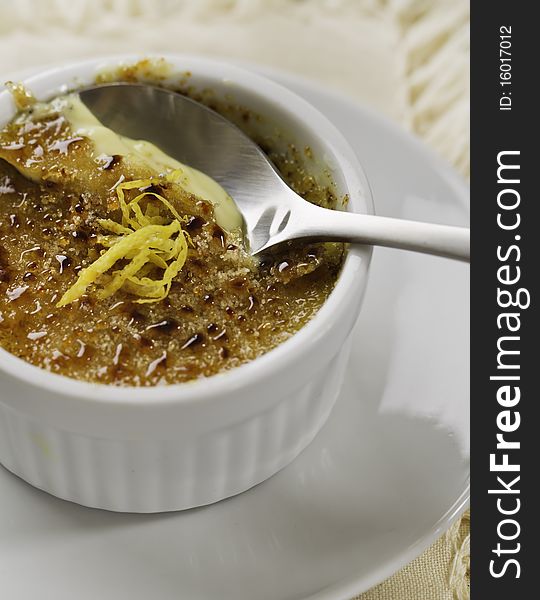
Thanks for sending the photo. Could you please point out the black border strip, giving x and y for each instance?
(504, 274)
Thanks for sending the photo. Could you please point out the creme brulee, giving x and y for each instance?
(120, 265)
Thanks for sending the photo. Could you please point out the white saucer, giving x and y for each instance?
(386, 476)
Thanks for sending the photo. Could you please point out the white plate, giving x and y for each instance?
(386, 476)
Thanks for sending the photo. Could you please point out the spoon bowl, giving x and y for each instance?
(272, 212)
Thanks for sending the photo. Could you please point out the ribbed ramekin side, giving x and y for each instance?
(172, 474)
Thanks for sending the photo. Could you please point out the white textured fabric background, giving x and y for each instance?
(405, 58)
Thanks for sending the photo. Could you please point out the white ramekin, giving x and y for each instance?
(180, 446)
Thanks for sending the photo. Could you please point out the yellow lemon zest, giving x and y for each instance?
(145, 239)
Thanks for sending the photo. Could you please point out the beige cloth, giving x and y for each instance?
(406, 58)
(440, 573)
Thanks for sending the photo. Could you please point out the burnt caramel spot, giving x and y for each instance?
(219, 235)
(239, 283)
(156, 188)
(195, 340)
(212, 328)
(111, 161)
(80, 234)
(196, 262)
(146, 342)
(194, 224)
(5, 275)
(166, 326)
(135, 315)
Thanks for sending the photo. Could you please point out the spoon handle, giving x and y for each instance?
(440, 240)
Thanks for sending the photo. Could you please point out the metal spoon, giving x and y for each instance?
(272, 211)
